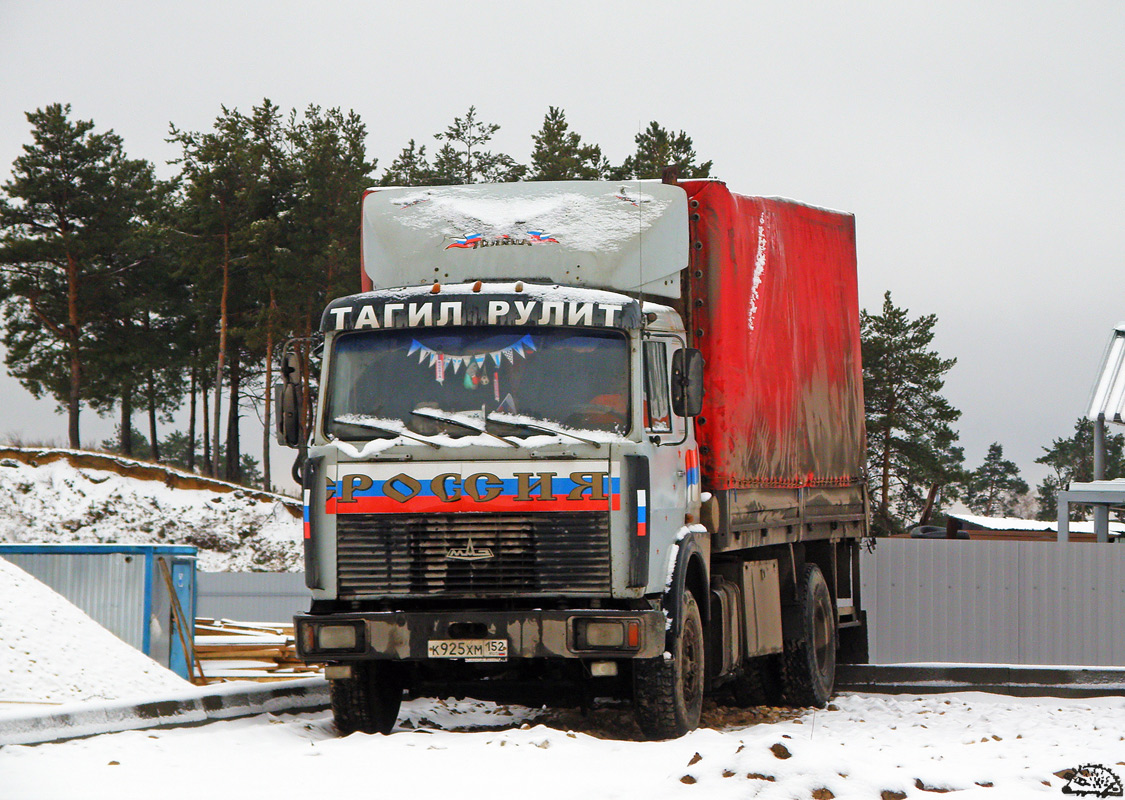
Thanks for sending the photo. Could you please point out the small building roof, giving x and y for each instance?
(1017, 524)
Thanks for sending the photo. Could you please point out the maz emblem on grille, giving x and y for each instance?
(469, 553)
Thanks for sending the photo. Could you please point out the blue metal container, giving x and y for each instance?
(125, 588)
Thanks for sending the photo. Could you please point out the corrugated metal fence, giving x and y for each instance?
(927, 600)
(251, 596)
(995, 602)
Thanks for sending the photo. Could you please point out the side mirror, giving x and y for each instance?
(288, 401)
(289, 412)
(291, 367)
(687, 382)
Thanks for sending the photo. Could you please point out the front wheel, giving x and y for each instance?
(369, 700)
(809, 662)
(668, 690)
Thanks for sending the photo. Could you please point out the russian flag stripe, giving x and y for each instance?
(375, 500)
(559, 486)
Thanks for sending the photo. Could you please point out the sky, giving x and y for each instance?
(977, 143)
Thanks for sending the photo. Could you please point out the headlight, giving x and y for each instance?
(337, 637)
(607, 634)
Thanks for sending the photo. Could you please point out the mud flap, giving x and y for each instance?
(672, 601)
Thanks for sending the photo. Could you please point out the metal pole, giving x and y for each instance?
(1101, 512)
(1064, 516)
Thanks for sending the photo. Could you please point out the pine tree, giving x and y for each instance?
(269, 217)
(227, 196)
(139, 440)
(658, 148)
(178, 451)
(410, 168)
(1073, 460)
(331, 171)
(995, 488)
(559, 154)
(318, 257)
(463, 159)
(72, 208)
(139, 347)
(911, 452)
(265, 243)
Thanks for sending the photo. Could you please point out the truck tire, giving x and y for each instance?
(809, 663)
(668, 691)
(368, 701)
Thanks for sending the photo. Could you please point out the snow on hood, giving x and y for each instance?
(565, 436)
(52, 652)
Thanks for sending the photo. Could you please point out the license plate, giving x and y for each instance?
(469, 649)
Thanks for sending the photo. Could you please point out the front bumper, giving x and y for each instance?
(403, 636)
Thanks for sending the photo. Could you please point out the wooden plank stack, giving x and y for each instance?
(247, 651)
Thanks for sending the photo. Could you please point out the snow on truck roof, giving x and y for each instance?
(628, 237)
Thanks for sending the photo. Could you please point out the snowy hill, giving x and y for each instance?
(56, 496)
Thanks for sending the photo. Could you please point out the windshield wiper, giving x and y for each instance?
(533, 426)
(371, 426)
(462, 422)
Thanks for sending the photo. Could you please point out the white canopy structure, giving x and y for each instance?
(1108, 399)
(1107, 404)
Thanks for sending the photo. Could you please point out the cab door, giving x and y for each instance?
(672, 450)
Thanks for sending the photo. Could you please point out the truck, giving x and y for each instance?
(580, 440)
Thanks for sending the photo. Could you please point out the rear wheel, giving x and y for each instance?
(369, 700)
(668, 691)
(809, 663)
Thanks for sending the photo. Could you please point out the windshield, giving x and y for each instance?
(462, 381)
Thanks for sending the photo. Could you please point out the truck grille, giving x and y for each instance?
(532, 554)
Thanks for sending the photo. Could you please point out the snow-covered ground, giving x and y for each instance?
(864, 746)
(57, 501)
(51, 652)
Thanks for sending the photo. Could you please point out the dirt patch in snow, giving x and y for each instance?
(615, 721)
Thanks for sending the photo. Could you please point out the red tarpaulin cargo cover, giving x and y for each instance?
(774, 307)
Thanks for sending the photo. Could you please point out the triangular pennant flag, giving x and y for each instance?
(480, 360)
(526, 342)
(511, 356)
(414, 345)
(518, 347)
(433, 357)
(496, 357)
(456, 365)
